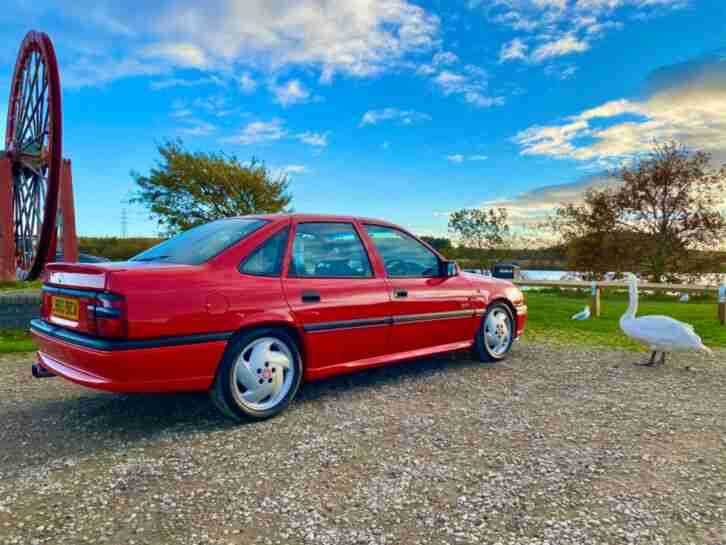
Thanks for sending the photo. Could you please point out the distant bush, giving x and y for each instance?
(115, 248)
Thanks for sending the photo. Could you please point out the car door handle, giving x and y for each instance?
(310, 297)
(400, 293)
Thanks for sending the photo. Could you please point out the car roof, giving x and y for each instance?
(320, 217)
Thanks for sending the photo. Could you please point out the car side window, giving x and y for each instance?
(403, 256)
(266, 259)
(328, 250)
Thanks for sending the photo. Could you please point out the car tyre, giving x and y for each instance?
(259, 375)
(495, 335)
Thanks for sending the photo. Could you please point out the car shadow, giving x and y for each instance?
(88, 421)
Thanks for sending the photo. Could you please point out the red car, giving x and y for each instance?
(248, 307)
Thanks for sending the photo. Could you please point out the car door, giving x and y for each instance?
(334, 293)
(428, 310)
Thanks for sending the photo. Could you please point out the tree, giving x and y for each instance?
(666, 208)
(185, 189)
(441, 244)
(480, 228)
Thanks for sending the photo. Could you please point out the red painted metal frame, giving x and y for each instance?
(180, 301)
(7, 237)
(68, 212)
(39, 42)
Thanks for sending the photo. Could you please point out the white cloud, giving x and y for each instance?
(565, 45)
(292, 92)
(404, 117)
(295, 169)
(95, 70)
(315, 139)
(181, 82)
(260, 132)
(199, 128)
(470, 86)
(360, 38)
(532, 207)
(184, 55)
(460, 158)
(444, 58)
(247, 83)
(686, 103)
(549, 29)
(516, 49)
(181, 112)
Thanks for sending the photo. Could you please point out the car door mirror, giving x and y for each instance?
(447, 269)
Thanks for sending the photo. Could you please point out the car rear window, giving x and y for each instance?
(199, 244)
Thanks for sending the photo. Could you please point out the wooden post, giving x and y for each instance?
(7, 236)
(722, 304)
(595, 305)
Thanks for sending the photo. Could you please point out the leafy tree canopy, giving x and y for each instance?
(667, 207)
(185, 189)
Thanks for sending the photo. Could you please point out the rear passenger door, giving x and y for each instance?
(334, 293)
(428, 310)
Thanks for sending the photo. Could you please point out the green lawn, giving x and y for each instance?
(15, 340)
(550, 318)
(18, 285)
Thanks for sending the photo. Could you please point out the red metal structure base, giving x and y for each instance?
(66, 230)
(7, 238)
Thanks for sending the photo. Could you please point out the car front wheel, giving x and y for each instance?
(259, 375)
(496, 334)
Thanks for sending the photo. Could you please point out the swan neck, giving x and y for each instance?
(632, 300)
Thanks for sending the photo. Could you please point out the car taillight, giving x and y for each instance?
(107, 315)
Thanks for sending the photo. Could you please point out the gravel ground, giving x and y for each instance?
(559, 445)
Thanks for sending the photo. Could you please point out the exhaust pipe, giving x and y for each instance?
(41, 372)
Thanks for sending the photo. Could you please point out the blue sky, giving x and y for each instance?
(398, 109)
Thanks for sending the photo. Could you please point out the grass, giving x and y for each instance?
(550, 318)
(15, 340)
(18, 285)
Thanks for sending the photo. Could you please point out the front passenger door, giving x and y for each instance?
(428, 310)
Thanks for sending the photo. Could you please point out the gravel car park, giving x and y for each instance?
(561, 446)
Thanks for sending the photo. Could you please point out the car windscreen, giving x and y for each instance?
(199, 244)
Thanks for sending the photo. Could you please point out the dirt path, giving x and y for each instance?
(559, 445)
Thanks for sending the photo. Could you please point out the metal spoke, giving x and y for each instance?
(245, 375)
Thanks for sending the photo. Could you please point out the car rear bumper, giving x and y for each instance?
(158, 365)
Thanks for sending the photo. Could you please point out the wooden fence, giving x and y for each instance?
(596, 287)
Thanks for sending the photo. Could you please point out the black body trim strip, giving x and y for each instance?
(346, 324)
(108, 345)
(405, 319)
(71, 292)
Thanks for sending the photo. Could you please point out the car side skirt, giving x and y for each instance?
(378, 361)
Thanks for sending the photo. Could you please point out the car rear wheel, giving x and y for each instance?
(496, 334)
(259, 375)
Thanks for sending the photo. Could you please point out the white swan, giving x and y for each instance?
(583, 314)
(660, 333)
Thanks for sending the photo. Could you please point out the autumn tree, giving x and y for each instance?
(186, 188)
(666, 208)
(480, 228)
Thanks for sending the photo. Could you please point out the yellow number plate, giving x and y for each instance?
(63, 307)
